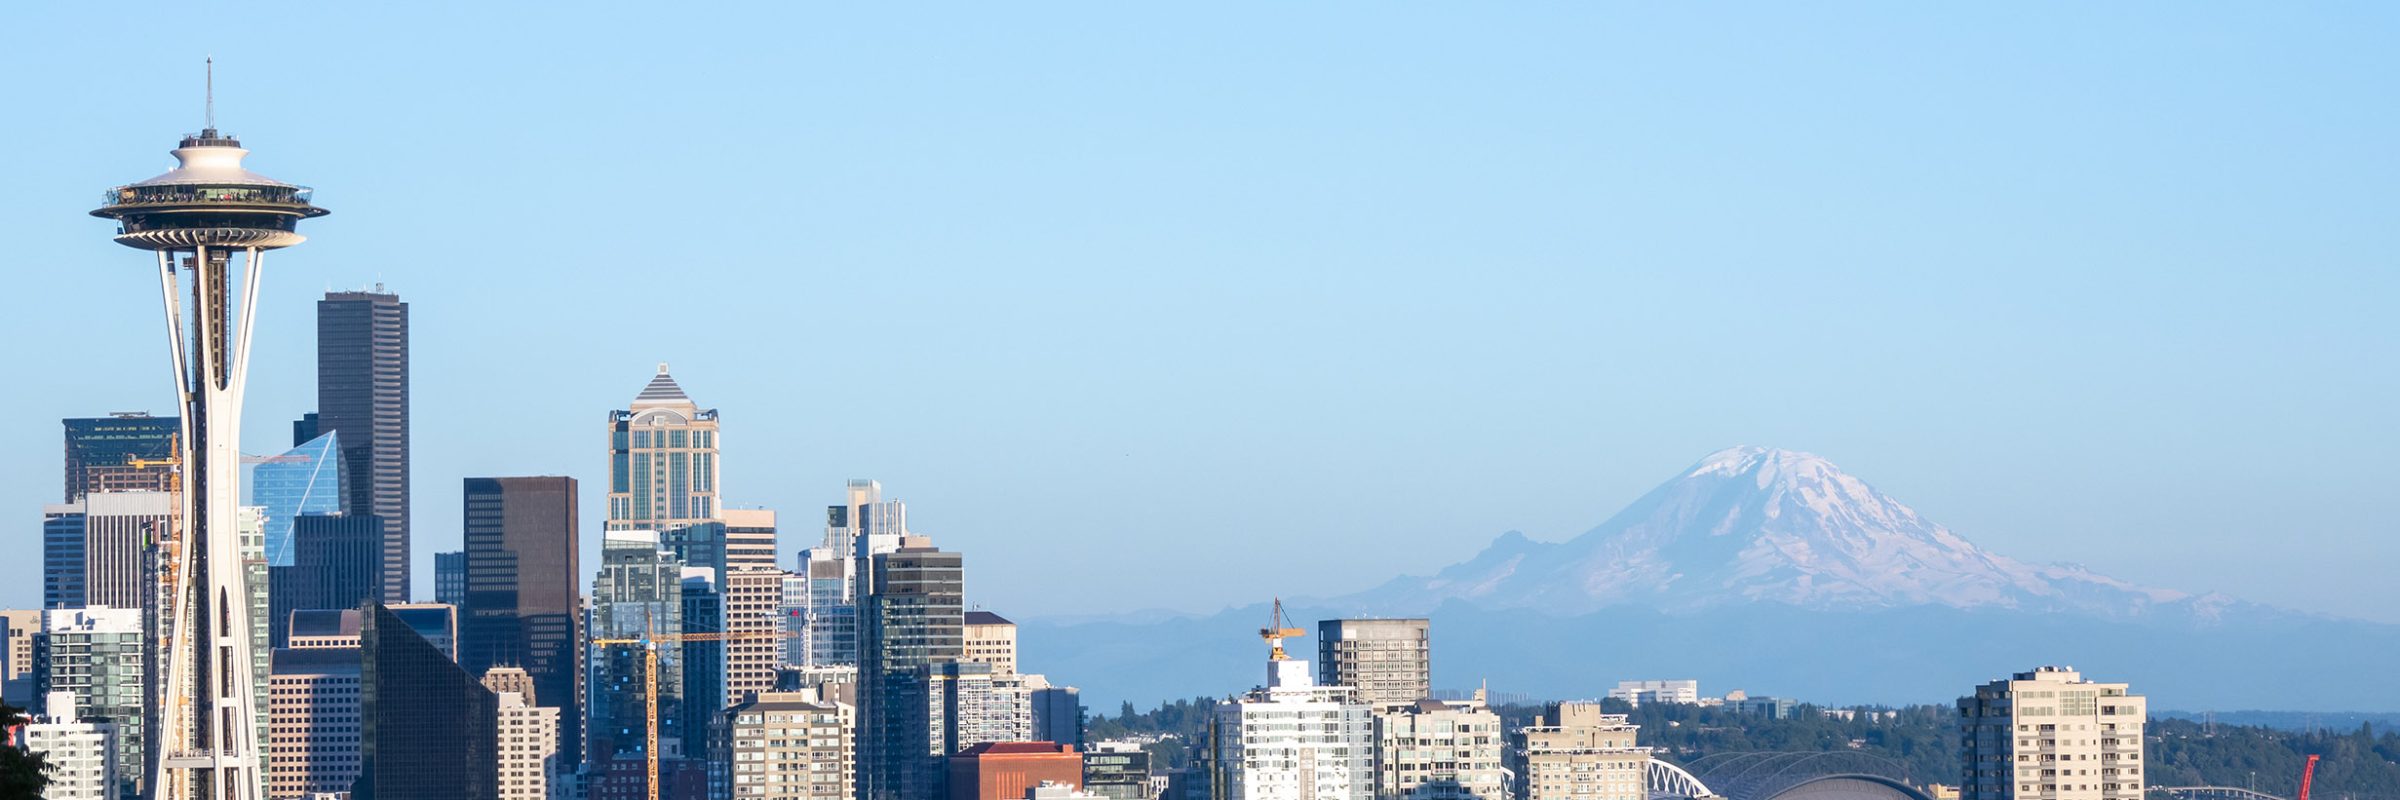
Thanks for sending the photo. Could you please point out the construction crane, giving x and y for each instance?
(2308, 776)
(649, 642)
(1279, 628)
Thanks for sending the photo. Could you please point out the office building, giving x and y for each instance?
(1007, 770)
(2051, 734)
(795, 619)
(911, 609)
(362, 398)
(17, 629)
(1389, 661)
(1768, 707)
(80, 755)
(314, 731)
(429, 729)
(1057, 711)
(991, 639)
(753, 617)
(1119, 770)
(1636, 693)
(122, 452)
(96, 550)
(337, 563)
(662, 460)
(791, 746)
(1293, 739)
(306, 479)
(96, 654)
(436, 622)
(527, 736)
(1574, 752)
(703, 664)
(1440, 750)
(524, 602)
(637, 591)
(863, 526)
(326, 627)
(450, 578)
(750, 539)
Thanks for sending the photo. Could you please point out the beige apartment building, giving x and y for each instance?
(2050, 734)
(991, 639)
(1574, 752)
(1440, 750)
(791, 746)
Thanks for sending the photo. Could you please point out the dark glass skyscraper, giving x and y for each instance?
(428, 730)
(362, 395)
(306, 479)
(523, 605)
(336, 562)
(98, 449)
(911, 615)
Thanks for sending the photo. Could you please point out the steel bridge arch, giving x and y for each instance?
(1668, 781)
(1769, 775)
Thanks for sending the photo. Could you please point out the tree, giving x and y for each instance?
(23, 775)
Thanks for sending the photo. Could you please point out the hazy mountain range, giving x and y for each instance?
(1776, 572)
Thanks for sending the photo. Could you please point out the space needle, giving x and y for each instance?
(198, 218)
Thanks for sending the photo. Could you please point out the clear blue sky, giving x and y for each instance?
(1152, 306)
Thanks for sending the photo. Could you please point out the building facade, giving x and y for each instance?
(523, 604)
(2051, 734)
(362, 397)
(306, 479)
(97, 549)
(527, 743)
(18, 627)
(637, 592)
(863, 526)
(662, 460)
(1007, 770)
(80, 754)
(1575, 752)
(791, 746)
(991, 639)
(1057, 711)
(1293, 739)
(1440, 750)
(428, 730)
(1118, 770)
(96, 655)
(450, 578)
(1389, 661)
(911, 609)
(102, 453)
(314, 730)
(336, 563)
(1637, 693)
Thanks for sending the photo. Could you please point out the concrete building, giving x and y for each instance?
(17, 628)
(1119, 770)
(1574, 752)
(362, 397)
(314, 729)
(662, 460)
(1293, 739)
(750, 538)
(524, 601)
(1440, 750)
(791, 746)
(1389, 661)
(527, 736)
(991, 639)
(96, 549)
(1007, 770)
(2051, 734)
(102, 454)
(81, 754)
(1636, 693)
(96, 654)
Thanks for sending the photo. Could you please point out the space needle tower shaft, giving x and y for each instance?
(207, 220)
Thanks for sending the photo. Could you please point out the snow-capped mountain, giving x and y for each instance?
(1760, 525)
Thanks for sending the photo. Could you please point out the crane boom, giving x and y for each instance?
(2308, 776)
(1279, 627)
(649, 642)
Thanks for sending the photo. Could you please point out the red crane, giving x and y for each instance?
(2308, 776)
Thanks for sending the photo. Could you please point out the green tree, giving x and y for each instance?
(23, 775)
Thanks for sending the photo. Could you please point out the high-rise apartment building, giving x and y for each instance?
(17, 629)
(313, 724)
(362, 397)
(524, 604)
(96, 549)
(1638, 693)
(97, 655)
(79, 755)
(1574, 752)
(336, 563)
(1293, 739)
(450, 578)
(791, 746)
(911, 608)
(430, 731)
(306, 479)
(1389, 661)
(662, 460)
(528, 736)
(638, 591)
(991, 639)
(1440, 750)
(2051, 734)
(122, 452)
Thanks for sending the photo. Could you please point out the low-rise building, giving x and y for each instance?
(1007, 770)
(1636, 693)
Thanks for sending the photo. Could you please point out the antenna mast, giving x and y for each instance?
(208, 116)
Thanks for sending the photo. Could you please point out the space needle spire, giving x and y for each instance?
(204, 218)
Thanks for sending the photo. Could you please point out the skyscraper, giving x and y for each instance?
(314, 728)
(100, 449)
(306, 479)
(2051, 734)
(830, 615)
(750, 538)
(450, 578)
(337, 562)
(1293, 739)
(911, 611)
(96, 654)
(662, 460)
(362, 397)
(523, 605)
(638, 591)
(429, 730)
(1389, 661)
(96, 550)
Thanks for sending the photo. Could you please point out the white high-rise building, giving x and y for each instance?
(96, 654)
(528, 746)
(1294, 740)
(81, 753)
(1440, 750)
(2050, 734)
(1574, 752)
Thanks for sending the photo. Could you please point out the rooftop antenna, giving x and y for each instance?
(209, 115)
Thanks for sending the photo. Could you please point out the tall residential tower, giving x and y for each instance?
(2053, 735)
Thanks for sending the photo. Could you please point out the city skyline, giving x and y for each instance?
(2190, 350)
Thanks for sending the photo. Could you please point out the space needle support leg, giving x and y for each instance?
(254, 259)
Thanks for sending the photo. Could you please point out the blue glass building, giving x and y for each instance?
(304, 480)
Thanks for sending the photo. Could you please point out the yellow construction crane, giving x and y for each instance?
(1279, 628)
(649, 642)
